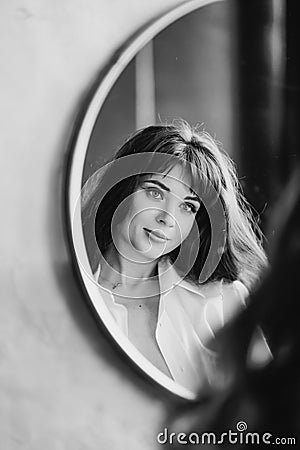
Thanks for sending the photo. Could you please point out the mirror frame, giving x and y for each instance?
(72, 185)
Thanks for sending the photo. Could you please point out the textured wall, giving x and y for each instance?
(62, 384)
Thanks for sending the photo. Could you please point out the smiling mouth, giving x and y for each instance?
(156, 234)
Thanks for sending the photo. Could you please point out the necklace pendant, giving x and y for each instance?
(115, 285)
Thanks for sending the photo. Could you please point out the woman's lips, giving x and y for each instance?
(157, 234)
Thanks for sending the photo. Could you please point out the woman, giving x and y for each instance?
(178, 248)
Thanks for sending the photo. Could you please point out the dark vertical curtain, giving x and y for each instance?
(289, 156)
(261, 91)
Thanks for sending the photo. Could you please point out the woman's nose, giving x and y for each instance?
(165, 218)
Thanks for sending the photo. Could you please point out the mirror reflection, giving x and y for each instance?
(167, 244)
(177, 248)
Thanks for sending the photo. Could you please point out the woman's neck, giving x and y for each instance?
(116, 268)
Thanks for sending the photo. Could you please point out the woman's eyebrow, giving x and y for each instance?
(165, 188)
(158, 183)
(192, 197)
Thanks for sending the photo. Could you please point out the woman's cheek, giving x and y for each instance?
(177, 239)
(185, 226)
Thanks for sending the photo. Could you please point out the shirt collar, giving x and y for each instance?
(168, 278)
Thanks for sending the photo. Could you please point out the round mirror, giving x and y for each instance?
(188, 64)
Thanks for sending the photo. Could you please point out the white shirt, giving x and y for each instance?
(187, 317)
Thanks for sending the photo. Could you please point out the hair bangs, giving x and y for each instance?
(203, 174)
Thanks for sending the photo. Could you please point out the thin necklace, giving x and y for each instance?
(118, 283)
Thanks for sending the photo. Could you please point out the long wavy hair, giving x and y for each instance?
(209, 165)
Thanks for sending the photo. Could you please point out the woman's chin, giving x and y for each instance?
(147, 254)
(151, 255)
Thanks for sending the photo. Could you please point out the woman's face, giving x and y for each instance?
(161, 215)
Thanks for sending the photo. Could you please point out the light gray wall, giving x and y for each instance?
(62, 385)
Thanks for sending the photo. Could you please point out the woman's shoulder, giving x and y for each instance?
(234, 295)
(194, 296)
(231, 294)
(214, 303)
(221, 287)
(191, 292)
(235, 291)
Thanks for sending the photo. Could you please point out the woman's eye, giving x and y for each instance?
(189, 207)
(154, 193)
